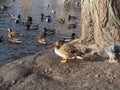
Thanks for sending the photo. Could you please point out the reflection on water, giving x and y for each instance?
(9, 52)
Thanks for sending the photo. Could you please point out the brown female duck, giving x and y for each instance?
(66, 51)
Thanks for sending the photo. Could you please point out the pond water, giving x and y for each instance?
(34, 8)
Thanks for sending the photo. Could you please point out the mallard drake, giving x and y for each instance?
(13, 40)
(34, 27)
(61, 20)
(72, 25)
(42, 17)
(68, 39)
(48, 18)
(29, 26)
(48, 31)
(15, 34)
(72, 17)
(66, 51)
(29, 19)
(1, 38)
(41, 40)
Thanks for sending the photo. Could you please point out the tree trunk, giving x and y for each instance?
(100, 22)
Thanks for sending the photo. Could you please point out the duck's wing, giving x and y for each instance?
(69, 48)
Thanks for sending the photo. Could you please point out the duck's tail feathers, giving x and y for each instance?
(79, 57)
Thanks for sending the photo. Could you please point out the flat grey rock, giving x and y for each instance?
(43, 71)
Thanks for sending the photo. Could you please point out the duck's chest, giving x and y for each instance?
(60, 53)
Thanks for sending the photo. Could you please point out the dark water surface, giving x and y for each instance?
(10, 52)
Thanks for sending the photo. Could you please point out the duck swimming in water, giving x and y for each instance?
(72, 17)
(41, 40)
(48, 18)
(31, 26)
(13, 34)
(66, 51)
(113, 52)
(61, 20)
(3, 7)
(72, 25)
(14, 40)
(48, 32)
(15, 17)
(68, 39)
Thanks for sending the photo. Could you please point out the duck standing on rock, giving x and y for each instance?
(66, 51)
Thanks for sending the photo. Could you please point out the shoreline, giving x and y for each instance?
(44, 70)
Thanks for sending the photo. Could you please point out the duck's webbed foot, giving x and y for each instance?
(64, 60)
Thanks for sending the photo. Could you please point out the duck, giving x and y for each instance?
(68, 39)
(1, 38)
(41, 40)
(13, 40)
(61, 20)
(29, 19)
(48, 18)
(72, 17)
(66, 51)
(31, 27)
(15, 34)
(34, 27)
(15, 17)
(48, 31)
(72, 25)
(3, 7)
(53, 11)
(42, 17)
(47, 5)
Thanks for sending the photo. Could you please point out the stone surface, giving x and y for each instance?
(43, 71)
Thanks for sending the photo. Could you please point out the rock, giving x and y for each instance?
(44, 71)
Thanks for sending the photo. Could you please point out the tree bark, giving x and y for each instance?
(100, 21)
